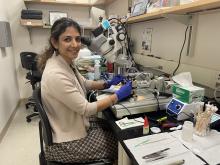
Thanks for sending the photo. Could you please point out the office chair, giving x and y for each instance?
(28, 61)
(46, 138)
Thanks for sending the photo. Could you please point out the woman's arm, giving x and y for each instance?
(98, 85)
(106, 102)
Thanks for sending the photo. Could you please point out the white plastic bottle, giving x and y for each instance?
(187, 131)
(97, 70)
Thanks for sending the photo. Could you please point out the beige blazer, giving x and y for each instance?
(65, 100)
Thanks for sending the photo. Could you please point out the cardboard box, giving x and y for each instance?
(188, 94)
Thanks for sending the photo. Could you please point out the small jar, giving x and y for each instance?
(187, 131)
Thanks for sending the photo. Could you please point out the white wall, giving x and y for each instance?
(118, 7)
(9, 92)
(167, 40)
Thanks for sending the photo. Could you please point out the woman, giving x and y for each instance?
(63, 92)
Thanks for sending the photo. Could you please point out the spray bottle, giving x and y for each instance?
(97, 70)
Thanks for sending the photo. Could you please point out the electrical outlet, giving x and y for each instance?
(217, 83)
(160, 67)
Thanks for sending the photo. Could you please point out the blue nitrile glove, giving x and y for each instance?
(124, 91)
(115, 81)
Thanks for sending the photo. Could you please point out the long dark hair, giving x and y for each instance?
(57, 29)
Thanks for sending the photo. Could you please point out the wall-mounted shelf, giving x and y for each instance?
(197, 6)
(88, 3)
(31, 23)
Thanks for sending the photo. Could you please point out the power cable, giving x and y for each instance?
(181, 51)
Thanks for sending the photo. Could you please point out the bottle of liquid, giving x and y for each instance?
(97, 70)
(146, 126)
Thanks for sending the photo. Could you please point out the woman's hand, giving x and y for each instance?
(124, 91)
(115, 81)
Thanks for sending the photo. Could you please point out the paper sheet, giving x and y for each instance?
(207, 147)
(112, 89)
(183, 79)
(129, 123)
(146, 145)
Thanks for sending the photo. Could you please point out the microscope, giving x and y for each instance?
(110, 41)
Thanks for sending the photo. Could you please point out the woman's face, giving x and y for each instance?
(68, 44)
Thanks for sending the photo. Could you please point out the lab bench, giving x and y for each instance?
(133, 132)
(125, 156)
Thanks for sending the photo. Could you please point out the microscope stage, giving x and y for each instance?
(144, 102)
(139, 107)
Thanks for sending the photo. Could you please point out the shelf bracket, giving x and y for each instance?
(193, 26)
(29, 32)
(83, 30)
(192, 22)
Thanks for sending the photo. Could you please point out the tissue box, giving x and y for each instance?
(188, 94)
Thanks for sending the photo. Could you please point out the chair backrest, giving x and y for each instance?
(46, 128)
(28, 60)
